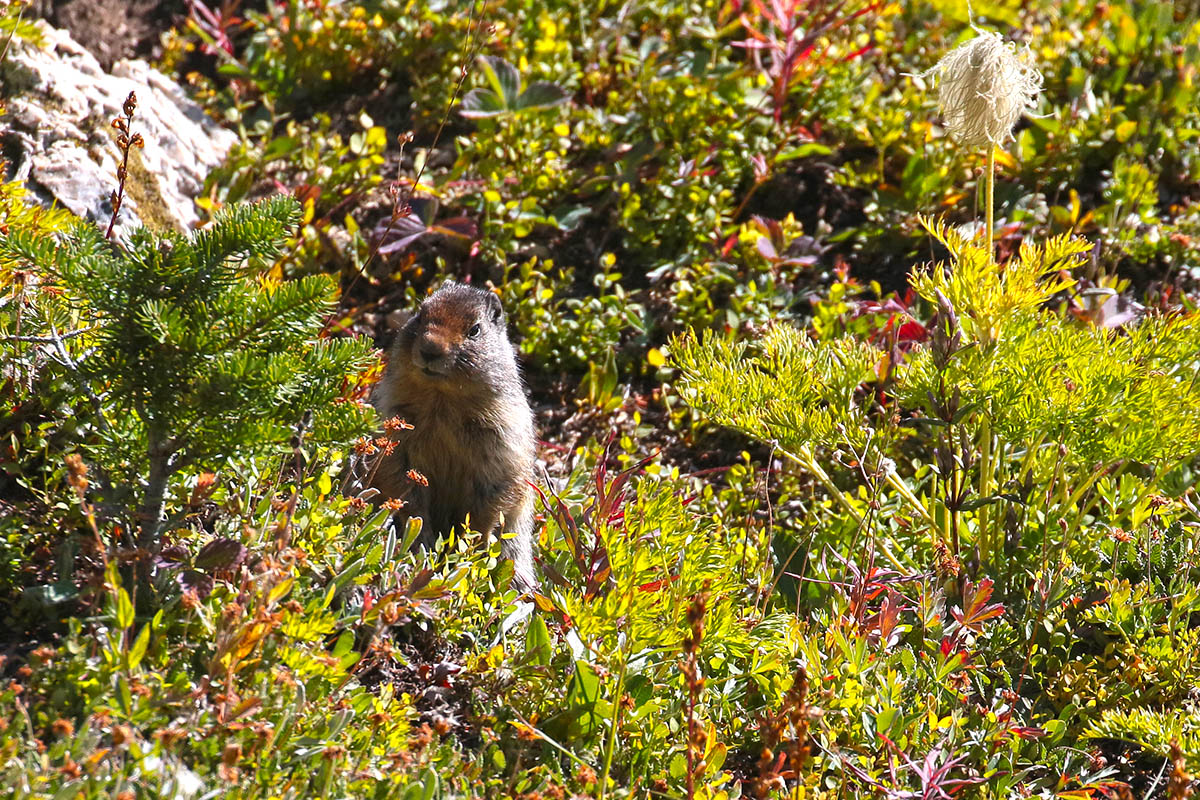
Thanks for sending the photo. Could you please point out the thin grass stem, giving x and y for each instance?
(611, 746)
(989, 183)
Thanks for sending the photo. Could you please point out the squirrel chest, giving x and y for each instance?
(468, 460)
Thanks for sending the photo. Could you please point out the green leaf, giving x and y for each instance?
(1126, 130)
(138, 650)
(481, 103)
(48, 594)
(537, 641)
(785, 387)
(1127, 32)
(583, 697)
(980, 502)
(432, 783)
(716, 758)
(804, 151)
(412, 529)
(541, 94)
(124, 609)
(343, 644)
(504, 94)
(503, 78)
(125, 696)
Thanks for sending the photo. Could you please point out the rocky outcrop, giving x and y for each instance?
(58, 137)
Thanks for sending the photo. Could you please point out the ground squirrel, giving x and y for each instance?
(452, 374)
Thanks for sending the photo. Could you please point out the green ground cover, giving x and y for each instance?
(838, 501)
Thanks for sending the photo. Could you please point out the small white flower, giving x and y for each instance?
(984, 87)
(970, 230)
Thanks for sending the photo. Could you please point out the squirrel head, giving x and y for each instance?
(459, 332)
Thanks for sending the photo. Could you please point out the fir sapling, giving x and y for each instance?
(195, 359)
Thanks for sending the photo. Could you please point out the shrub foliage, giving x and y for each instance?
(839, 500)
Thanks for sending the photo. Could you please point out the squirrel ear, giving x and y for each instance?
(494, 307)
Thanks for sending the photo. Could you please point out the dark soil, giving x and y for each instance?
(431, 671)
(115, 29)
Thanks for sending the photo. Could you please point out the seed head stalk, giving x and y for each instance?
(989, 183)
(126, 141)
(984, 87)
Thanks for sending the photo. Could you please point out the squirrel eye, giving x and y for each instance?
(475, 329)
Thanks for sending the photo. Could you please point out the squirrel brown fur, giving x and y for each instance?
(452, 375)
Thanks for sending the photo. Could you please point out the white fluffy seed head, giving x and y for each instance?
(984, 87)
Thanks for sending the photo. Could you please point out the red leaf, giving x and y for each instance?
(911, 331)
(1026, 732)
(728, 246)
(889, 615)
(860, 51)
(976, 610)
(654, 586)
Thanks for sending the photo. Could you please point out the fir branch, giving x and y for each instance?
(68, 362)
(51, 339)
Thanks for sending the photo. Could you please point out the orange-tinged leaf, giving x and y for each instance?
(544, 604)
(249, 640)
(954, 198)
(976, 611)
(279, 590)
(245, 707)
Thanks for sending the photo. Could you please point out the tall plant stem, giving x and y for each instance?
(989, 178)
(983, 535)
(612, 732)
(805, 457)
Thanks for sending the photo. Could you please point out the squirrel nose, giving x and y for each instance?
(430, 351)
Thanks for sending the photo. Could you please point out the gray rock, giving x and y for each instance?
(59, 138)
